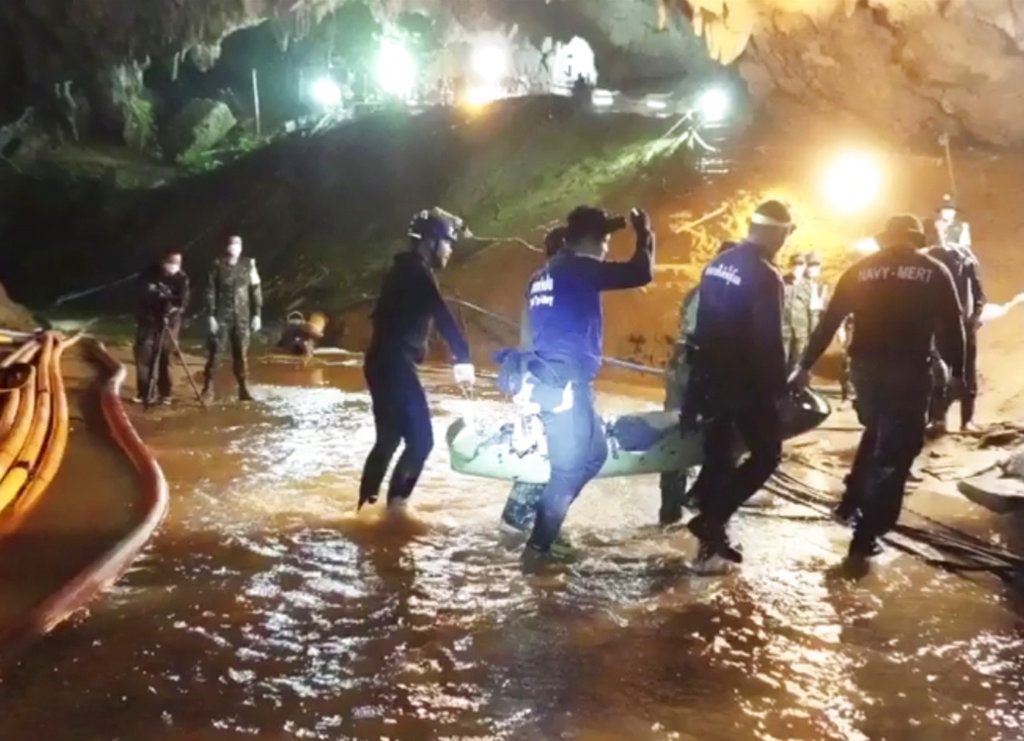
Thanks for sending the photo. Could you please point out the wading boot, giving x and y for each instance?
(243, 392)
(715, 554)
(864, 546)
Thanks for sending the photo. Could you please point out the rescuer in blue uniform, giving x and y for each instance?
(901, 300)
(738, 376)
(409, 299)
(567, 331)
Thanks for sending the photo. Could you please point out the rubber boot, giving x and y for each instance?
(243, 391)
(208, 390)
(967, 414)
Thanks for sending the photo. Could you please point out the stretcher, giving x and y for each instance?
(644, 443)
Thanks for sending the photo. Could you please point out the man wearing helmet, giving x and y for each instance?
(409, 300)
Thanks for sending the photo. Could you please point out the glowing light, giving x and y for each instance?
(603, 98)
(490, 63)
(326, 92)
(479, 96)
(853, 181)
(656, 104)
(714, 105)
(396, 69)
(866, 246)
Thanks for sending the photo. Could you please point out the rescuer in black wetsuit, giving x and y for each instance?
(409, 299)
(900, 300)
(738, 376)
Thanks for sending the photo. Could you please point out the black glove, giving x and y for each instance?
(640, 220)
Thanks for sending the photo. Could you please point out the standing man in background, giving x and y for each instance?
(796, 309)
(163, 294)
(234, 305)
(818, 295)
(954, 250)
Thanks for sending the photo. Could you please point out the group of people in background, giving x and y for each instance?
(233, 304)
(748, 338)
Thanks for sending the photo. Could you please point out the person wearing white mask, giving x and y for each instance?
(163, 293)
(795, 309)
(818, 291)
(234, 305)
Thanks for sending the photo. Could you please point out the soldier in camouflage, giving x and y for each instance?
(234, 302)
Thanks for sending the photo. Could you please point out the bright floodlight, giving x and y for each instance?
(714, 105)
(490, 62)
(396, 69)
(326, 92)
(853, 181)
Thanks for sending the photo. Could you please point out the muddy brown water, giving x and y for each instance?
(266, 608)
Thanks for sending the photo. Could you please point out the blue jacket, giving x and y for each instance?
(564, 306)
(739, 324)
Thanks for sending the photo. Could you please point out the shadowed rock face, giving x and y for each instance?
(903, 66)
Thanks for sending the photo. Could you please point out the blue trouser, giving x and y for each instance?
(577, 449)
(400, 414)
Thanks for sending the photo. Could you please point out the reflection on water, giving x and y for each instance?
(267, 607)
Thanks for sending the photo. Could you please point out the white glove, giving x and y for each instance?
(465, 374)
(213, 325)
(257, 323)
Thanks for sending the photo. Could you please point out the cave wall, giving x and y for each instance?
(904, 67)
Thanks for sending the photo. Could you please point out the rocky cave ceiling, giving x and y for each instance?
(903, 66)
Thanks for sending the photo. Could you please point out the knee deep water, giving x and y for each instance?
(267, 608)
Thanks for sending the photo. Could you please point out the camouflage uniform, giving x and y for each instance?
(797, 320)
(234, 298)
(673, 484)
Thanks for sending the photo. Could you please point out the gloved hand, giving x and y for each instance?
(687, 420)
(257, 323)
(465, 374)
(640, 220)
(799, 379)
(213, 326)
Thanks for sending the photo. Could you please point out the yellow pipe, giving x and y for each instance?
(53, 453)
(17, 474)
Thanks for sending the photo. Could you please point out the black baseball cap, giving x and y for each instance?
(587, 221)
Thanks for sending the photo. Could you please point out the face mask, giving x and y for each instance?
(172, 268)
(799, 270)
(814, 271)
(947, 215)
(234, 250)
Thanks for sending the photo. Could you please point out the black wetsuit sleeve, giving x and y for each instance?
(148, 294)
(635, 272)
(839, 307)
(768, 351)
(950, 333)
(444, 321)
